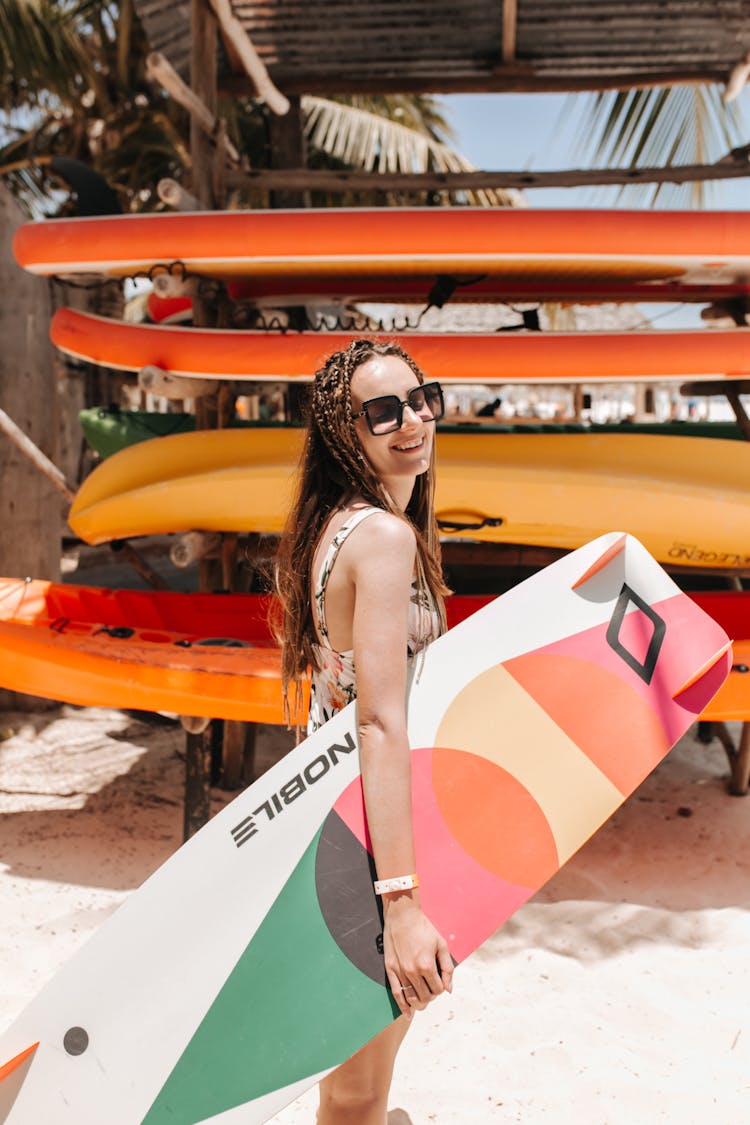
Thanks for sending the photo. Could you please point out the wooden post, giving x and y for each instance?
(203, 83)
(197, 808)
(30, 505)
(287, 144)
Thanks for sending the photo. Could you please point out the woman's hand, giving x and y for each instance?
(417, 958)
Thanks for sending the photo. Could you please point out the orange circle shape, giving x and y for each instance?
(494, 818)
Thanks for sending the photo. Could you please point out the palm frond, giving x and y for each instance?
(360, 137)
(40, 53)
(658, 126)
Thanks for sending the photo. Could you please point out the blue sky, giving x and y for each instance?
(519, 131)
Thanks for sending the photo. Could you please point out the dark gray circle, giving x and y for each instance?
(76, 1041)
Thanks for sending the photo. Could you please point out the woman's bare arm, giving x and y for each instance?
(381, 564)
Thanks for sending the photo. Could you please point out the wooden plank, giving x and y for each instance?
(732, 166)
(510, 24)
(478, 80)
(203, 83)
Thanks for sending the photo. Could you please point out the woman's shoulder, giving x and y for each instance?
(386, 528)
(381, 539)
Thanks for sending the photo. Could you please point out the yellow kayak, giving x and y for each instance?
(688, 502)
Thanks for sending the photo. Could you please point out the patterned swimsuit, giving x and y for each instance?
(333, 683)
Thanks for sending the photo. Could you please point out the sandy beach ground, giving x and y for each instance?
(619, 996)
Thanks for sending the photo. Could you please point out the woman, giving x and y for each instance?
(361, 588)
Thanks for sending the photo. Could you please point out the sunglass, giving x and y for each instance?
(385, 414)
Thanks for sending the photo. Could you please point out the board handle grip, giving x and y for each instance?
(704, 668)
(465, 520)
(604, 559)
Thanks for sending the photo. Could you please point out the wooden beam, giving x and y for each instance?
(160, 70)
(730, 167)
(737, 405)
(513, 79)
(174, 195)
(244, 50)
(715, 388)
(287, 150)
(40, 460)
(510, 23)
(732, 389)
(176, 387)
(203, 83)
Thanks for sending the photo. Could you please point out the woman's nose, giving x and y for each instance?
(413, 415)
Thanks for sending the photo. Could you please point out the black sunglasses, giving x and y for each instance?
(385, 414)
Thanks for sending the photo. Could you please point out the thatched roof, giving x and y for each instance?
(412, 46)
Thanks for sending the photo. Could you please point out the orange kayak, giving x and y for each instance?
(194, 654)
(210, 654)
(399, 253)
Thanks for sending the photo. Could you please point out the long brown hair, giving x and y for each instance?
(332, 468)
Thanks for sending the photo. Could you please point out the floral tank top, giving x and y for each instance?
(333, 683)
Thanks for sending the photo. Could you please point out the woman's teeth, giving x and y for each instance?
(410, 444)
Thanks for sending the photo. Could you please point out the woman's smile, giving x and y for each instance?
(409, 446)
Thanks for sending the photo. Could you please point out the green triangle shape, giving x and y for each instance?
(292, 1007)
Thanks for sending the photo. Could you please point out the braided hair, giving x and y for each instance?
(333, 468)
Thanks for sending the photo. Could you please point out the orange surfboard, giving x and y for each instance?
(397, 254)
(500, 357)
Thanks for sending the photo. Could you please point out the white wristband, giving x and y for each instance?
(399, 883)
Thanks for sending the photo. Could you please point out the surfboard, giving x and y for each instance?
(250, 963)
(499, 357)
(688, 501)
(397, 253)
(194, 654)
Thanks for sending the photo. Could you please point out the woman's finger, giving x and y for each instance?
(420, 995)
(445, 962)
(433, 981)
(399, 995)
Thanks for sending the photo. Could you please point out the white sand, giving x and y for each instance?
(619, 996)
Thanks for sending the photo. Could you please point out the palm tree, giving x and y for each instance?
(75, 85)
(77, 72)
(661, 125)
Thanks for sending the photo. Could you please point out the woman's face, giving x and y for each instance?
(402, 455)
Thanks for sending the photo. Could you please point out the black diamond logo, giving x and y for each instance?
(646, 669)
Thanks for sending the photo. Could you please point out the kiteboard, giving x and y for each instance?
(688, 501)
(194, 654)
(494, 358)
(251, 962)
(399, 254)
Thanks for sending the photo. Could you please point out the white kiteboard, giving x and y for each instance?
(251, 963)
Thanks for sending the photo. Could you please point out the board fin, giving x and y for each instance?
(702, 671)
(604, 559)
(12, 1076)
